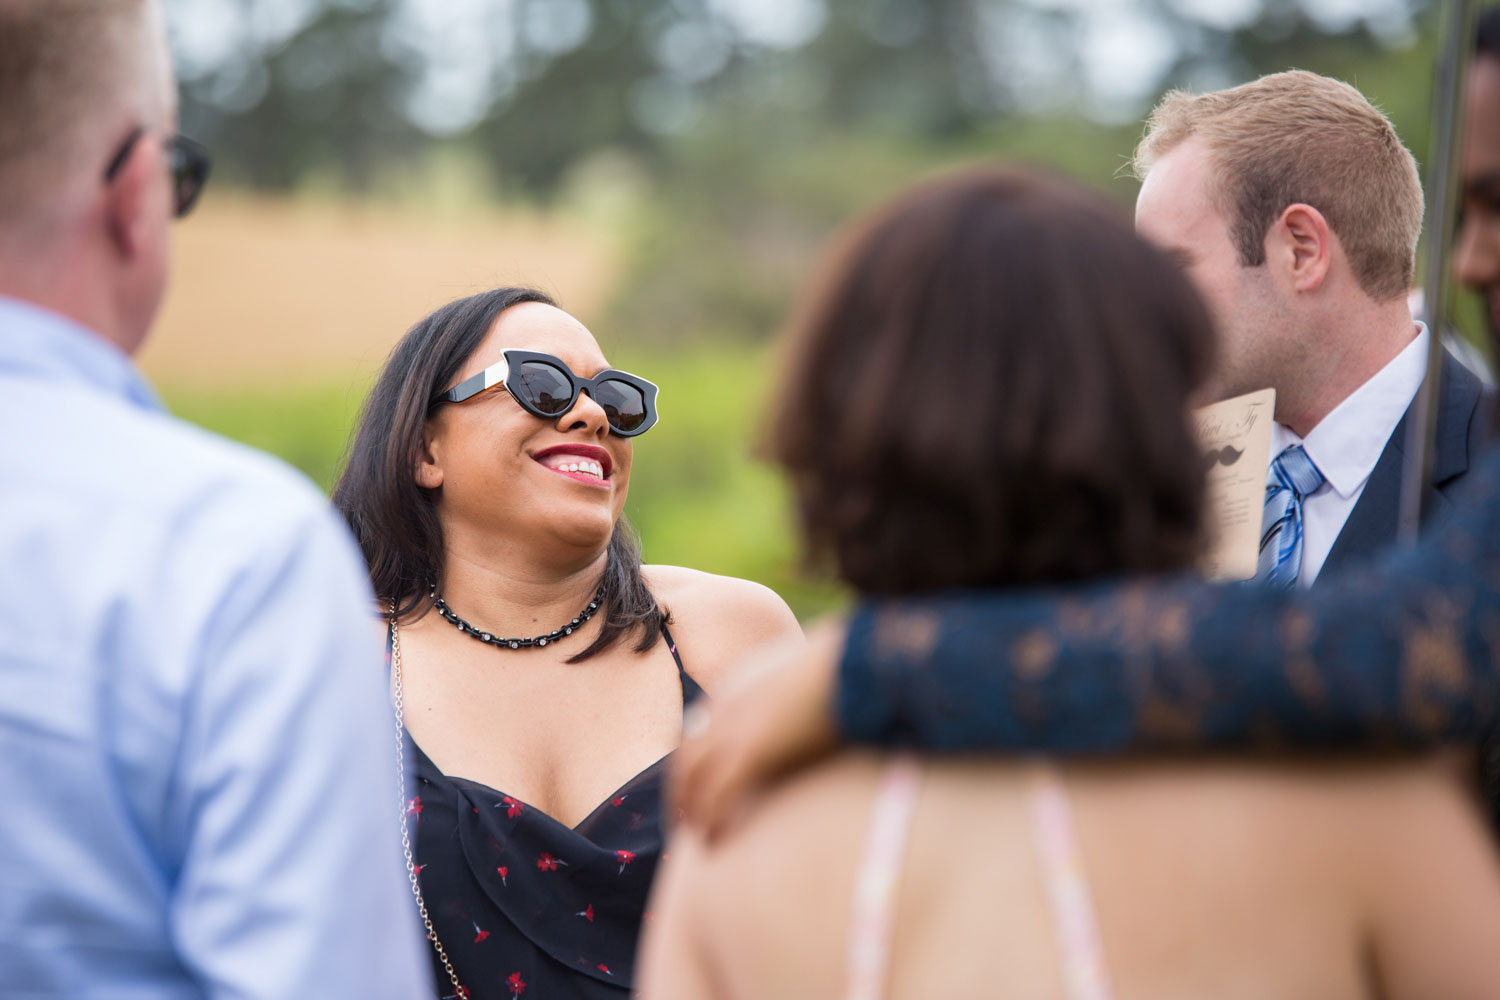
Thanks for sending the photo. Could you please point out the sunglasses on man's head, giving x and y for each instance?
(187, 162)
(546, 387)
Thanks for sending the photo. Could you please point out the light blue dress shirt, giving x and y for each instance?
(197, 756)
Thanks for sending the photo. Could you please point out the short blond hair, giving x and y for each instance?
(1299, 137)
(64, 66)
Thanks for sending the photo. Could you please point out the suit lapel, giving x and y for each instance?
(1372, 523)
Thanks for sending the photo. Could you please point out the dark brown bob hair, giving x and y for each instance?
(989, 387)
(395, 521)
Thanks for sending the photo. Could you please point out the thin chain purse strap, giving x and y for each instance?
(411, 867)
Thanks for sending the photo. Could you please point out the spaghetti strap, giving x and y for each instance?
(876, 879)
(690, 689)
(1084, 974)
(666, 634)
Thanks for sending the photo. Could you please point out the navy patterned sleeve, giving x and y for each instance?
(1403, 652)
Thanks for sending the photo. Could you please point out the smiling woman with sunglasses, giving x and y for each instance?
(487, 482)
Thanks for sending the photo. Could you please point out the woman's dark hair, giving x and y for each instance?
(395, 521)
(989, 387)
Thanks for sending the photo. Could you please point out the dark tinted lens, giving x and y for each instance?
(189, 163)
(622, 403)
(542, 387)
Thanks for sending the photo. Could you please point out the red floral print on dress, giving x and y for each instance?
(604, 969)
(414, 806)
(548, 863)
(479, 935)
(624, 857)
(513, 807)
(503, 871)
(586, 913)
(618, 800)
(516, 983)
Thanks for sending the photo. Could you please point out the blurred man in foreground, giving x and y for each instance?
(1407, 652)
(194, 748)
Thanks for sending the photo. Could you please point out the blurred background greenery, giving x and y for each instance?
(669, 169)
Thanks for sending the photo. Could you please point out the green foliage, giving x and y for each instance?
(731, 229)
(346, 87)
(327, 99)
(772, 148)
(306, 423)
(697, 496)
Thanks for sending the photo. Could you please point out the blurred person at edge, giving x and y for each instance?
(1047, 441)
(487, 484)
(195, 749)
(1402, 650)
(1476, 253)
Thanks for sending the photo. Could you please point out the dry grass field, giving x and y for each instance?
(270, 289)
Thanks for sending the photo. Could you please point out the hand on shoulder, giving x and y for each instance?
(775, 719)
(719, 622)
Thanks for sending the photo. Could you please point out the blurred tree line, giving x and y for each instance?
(734, 134)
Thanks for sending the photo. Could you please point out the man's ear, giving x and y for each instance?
(429, 471)
(128, 199)
(1300, 243)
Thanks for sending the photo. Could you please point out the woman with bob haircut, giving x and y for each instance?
(540, 670)
(989, 388)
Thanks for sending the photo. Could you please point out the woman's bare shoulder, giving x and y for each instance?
(700, 592)
(718, 620)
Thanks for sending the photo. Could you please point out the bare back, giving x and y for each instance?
(1208, 879)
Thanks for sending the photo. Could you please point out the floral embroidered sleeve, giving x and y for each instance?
(1403, 652)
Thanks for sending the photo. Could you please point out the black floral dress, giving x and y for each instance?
(525, 906)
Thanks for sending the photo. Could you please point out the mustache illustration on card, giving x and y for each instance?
(1225, 456)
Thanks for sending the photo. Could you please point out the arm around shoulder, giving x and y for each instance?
(1070, 671)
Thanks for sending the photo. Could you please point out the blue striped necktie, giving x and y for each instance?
(1292, 479)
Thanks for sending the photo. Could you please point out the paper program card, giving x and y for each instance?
(1236, 442)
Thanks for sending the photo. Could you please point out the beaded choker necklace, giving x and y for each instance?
(538, 640)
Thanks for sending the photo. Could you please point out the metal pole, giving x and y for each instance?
(1460, 18)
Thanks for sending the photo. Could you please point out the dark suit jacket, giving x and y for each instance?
(1461, 426)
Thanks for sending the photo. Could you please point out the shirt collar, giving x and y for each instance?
(1346, 444)
(38, 342)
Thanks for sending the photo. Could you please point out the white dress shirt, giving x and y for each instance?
(196, 749)
(1346, 445)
